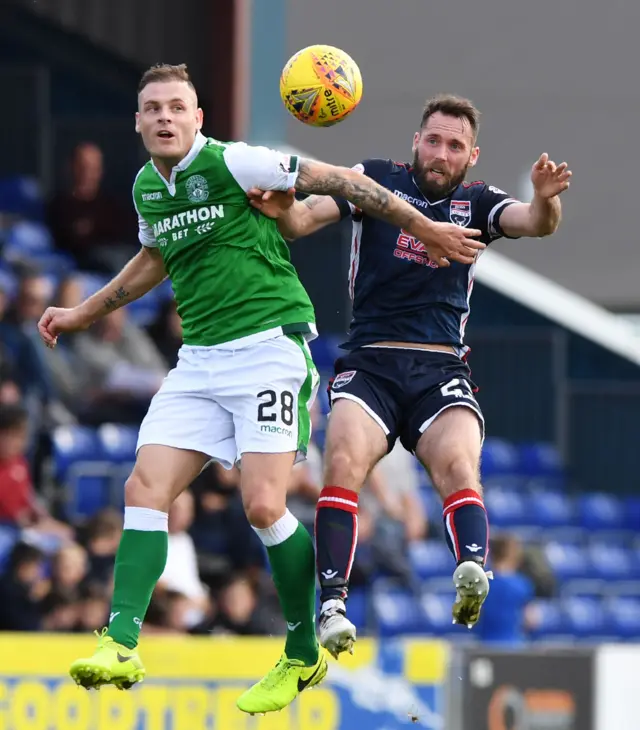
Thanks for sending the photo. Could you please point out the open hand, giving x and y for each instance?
(446, 242)
(548, 178)
(272, 203)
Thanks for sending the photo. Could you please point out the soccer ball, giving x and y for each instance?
(321, 85)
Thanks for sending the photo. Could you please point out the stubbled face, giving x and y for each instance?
(443, 150)
(168, 119)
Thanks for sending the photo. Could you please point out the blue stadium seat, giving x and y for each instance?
(431, 559)
(584, 588)
(550, 509)
(506, 509)
(568, 561)
(611, 561)
(9, 535)
(632, 513)
(550, 619)
(145, 310)
(8, 283)
(90, 283)
(600, 512)
(499, 458)
(80, 465)
(585, 617)
(437, 613)
(540, 460)
(117, 442)
(21, 196)
(29, 237)
(396, 611)
(624, 616)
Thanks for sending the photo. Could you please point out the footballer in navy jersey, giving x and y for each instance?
(404, 374)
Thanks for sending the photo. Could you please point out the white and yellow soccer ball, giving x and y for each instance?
(321, 85)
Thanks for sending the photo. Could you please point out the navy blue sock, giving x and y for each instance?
(336, 540)
(466, 526)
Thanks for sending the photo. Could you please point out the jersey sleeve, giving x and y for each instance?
(145, 231)
(261, 167)
(491, 204)
(374, 169)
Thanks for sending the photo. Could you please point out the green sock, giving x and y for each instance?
(292, 558)
(141, 559)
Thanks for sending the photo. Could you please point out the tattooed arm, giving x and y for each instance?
(443, 241)
(144, 272)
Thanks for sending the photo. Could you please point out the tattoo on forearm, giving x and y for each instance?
(111, 303)
(358, 189)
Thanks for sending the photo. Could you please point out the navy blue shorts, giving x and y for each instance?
(402, 389)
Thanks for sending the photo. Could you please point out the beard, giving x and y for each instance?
(439, 188)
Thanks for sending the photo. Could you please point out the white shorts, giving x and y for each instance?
(226, 402)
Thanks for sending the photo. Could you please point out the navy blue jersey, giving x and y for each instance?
(398, 294)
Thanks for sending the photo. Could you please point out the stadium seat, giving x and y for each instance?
(568, 561)
(145, 310)
(499, 458)
(624, 616)
(550, 620)
(437, 613)
(585, 617)
(29, 237)
(632, 513)
(506, 509)
(118, 442)
(541, 460)
(431, 559)
(584, 589)
(8, 537)
(80, 466)
(396, 611)
(21, 196)
(600, 512)
(550, 509)
(611, 562)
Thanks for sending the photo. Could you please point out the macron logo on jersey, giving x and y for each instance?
(410, 199)
(152, 196)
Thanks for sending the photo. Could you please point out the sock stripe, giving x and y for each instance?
(451, 529)
(458, 499)
(354, 543)
(344, 504)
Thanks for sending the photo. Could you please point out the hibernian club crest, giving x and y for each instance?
(197, 189)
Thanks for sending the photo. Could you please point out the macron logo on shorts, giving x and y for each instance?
(343, 379)
(277, 429)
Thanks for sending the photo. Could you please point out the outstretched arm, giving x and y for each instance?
(540, 217)
(141, 274)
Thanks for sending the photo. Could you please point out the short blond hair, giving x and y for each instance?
(165, 72)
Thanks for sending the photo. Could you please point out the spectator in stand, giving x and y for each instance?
(88, 223)
(121, 369)
(181, 573)
(19, 505)
(507, 612)
(23, 588)
(103, 532)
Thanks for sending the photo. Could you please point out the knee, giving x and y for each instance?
(140, 492)
(455, 474)
(263, 510)
(344, 469)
